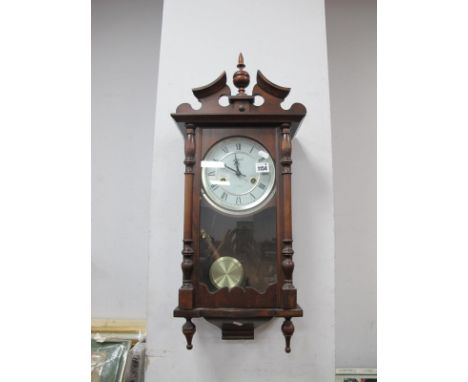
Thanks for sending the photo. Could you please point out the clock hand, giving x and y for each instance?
(236, 162)
(230, 168)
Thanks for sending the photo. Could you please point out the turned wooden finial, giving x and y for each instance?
(240, 64)
(241, 78)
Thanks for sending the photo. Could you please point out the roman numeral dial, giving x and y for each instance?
(238, 175)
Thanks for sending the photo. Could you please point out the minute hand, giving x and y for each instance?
(236, 162)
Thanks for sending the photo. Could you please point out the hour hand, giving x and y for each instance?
(232, 169)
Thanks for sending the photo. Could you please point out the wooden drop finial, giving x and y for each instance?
(241, 78)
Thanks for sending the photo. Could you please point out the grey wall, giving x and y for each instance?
(351, 39)
(125, 53)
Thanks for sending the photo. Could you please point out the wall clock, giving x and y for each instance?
(237, 243)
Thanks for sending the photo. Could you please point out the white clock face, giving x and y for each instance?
(238, 175)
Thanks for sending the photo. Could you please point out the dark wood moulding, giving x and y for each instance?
(238, 312)
(241, 111)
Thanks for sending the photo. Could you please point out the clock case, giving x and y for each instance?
(239, 310)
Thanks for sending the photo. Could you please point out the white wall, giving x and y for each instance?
(125, 50)
(351, 35)
(287, 41)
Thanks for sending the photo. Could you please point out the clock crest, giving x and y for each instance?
(237, 255)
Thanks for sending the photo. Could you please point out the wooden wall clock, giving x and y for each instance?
(237, 246)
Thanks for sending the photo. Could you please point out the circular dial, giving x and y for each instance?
(238, 175)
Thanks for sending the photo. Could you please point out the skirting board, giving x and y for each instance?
(355, 374)
(128, 329)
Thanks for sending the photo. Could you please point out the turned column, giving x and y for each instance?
(288, 290)
(186, 290)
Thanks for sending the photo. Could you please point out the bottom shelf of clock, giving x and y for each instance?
(236, 323)
(238, 312)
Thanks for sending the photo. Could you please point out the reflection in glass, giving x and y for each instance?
(237, 250)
